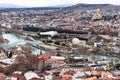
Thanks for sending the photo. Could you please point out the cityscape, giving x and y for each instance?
(63, 41)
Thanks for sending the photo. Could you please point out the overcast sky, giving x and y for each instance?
(39, 3)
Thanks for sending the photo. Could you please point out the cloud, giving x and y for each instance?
(40, 3)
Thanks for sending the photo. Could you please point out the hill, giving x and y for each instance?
(103, 7)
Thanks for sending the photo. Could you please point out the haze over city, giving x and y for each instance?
(43, 3)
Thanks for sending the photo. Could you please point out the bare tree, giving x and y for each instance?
(1, 69)
(116, 61)
(93, 57)
(23, 63)
(33, 61)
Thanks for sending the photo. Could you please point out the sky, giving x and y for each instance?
(43, 3)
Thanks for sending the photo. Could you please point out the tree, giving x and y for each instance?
(1, 69)
(82, 50)
(21, 59)
(33, 61)
(22, 67)
(116, 61)
(10, 69)
(93, 57)
(23, 64)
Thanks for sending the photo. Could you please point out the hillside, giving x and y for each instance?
(103, 7)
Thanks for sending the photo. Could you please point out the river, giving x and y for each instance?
(14, 40)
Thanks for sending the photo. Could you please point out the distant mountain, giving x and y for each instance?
(27, 8)
(6, 5)
(68, 7)
(90, 5)
(104, 7)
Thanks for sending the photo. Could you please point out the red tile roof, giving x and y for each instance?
(44, 57)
